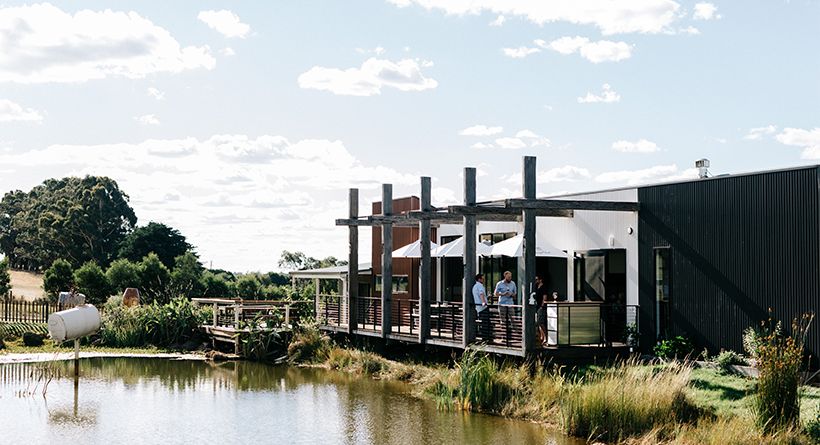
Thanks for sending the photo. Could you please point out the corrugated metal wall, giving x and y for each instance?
(740, 245)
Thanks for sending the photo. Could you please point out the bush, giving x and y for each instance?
(159, 325)
(729, 358)
(309, 345)
(777, 402)
(58, 278)
(479, 384)
(155, 280)
(123, 274)
(92, 282)
(753, 338)
(678, 347)
(627, 401)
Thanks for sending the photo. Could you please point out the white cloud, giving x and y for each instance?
(227, 51)
(642, 146)
(645, 16)
(566, 173)
(608, 96)
(248, 185)
(689, 31)
(802, 138)
(156, 94)
(540, 141)
(481, 145)
(10, 111)
(426, 63)
(41, 43)
(499, 21)
(520, 52)
(379, 50)
(721, 140)
(480, 130)
(657, 173)
(148, 119)
(757, 133)
(510, 143)
(526, 134)
(595, 52)
(225, 22)
(367, 81)
(704, 11)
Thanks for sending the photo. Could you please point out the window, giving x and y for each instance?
(400, 284)
(662, 291)
(452, 273)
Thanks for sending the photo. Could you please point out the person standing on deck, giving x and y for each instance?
(541, 304)
(480, 299)
(506, 291)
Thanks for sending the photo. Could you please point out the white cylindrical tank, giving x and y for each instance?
(72, 324)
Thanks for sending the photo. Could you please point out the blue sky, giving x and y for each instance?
(243, 124)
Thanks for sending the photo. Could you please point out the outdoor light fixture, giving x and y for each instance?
(611, 240)
(629, 231)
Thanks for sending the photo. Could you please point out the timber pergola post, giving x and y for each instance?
(387, 260)
(528, 256)
(468, 325)
(426, 262)
(353, 264)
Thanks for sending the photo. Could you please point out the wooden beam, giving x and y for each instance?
(352, 263)
(425, 268)
(616, 206)
(451, 218)
(469, 316)
(528, 183)
(387, 261)
(485, 212)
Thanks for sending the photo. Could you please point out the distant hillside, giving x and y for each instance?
(26, 284)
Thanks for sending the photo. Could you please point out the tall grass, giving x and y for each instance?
(776, 404)
(18, 328)
(308, 345)
(155, 324)
(627, 400)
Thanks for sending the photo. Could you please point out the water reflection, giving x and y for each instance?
(166, 401)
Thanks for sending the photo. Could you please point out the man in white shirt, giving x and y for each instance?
(506, 291)
(480, 299)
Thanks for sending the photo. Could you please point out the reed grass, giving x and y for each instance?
(628, 400)
(154, 324)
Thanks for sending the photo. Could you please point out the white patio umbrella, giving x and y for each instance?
(455, 248)
(515, 247)
(412, 250)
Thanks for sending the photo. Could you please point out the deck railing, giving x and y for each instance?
(28, 311)
(331, 310)
(499, 325)
(446, 320)
(369, 313)
(228, 312)
(405, 317)
(588, 323)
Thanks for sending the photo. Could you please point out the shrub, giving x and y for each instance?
(729, 358)
(777, 402)
(155, 280)
(159, 325)
(630, 334)
(123, 274)
(309, 345)
(479, 384)
(627, 401)
(813, 426)
(678, 347)
(92, 282)
(753, 338)
(256, 339)
(58, 278)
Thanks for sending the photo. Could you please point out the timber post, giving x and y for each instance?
(426, 262)
(387, 261)
(352, 264)
(528, 258)
(468, 330)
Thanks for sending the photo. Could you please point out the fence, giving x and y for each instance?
(228, 313)
(588, 323)
(29, 311)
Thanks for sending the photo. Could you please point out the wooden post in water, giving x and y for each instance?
(528, 259)
(76, 357)
(352, 264)
(387, 261)
(426, 262)
(468, 331)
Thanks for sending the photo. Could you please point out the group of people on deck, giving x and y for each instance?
(506, 291)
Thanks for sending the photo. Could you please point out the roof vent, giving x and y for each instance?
(702, 166)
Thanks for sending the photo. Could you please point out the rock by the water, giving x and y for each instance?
(32, 339)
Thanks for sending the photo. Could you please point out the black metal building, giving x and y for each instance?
(716, 254)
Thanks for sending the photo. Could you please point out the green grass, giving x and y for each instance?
(16, 346)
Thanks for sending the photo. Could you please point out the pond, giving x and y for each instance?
(150, 400)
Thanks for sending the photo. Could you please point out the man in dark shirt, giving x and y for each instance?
(541, 305)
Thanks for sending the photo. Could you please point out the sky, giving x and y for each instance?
(244, 124)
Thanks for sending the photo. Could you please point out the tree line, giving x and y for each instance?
(82, 233)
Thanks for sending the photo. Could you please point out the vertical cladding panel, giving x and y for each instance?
(741, 245)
